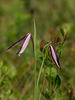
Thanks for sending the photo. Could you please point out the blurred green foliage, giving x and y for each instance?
(16, 20)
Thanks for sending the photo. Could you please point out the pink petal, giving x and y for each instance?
(32, 43)
(54, 55)
(24, 44)
(16, 43)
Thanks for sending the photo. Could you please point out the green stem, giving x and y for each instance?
(50, 84)
(35, 89)
(43, 61)
(41, 68)
(40, 72)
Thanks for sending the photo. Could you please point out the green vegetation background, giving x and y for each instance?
(16, 20)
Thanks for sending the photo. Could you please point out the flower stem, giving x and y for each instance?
(35, 89)
(40, 72)
(42, 65)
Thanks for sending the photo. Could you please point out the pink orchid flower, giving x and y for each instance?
(24, 44)
(54, 56)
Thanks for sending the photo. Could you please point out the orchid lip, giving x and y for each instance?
(54, 56)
